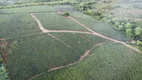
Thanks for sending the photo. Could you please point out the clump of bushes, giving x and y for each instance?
(3, 73)
(129, 28)
(66, 14)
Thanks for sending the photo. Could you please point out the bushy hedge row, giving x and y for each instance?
(128, 28)
(86, 8)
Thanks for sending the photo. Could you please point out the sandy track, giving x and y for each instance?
(80, 59)
(39, 23)
(68, 31)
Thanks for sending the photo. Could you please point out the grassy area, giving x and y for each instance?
(108, 62)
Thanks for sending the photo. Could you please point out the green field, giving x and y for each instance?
(30, 52)
(108, 62)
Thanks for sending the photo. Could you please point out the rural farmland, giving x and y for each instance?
(53, 40)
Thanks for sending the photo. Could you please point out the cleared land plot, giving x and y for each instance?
(108, 62)
(32, 55)
(55, 21)
(15, 25)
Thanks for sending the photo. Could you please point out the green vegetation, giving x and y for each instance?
(66, 14)
(3, 73)
(108, 62)
(129, 28)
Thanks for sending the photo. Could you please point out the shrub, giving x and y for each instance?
(120, 27)
(66, 14)
(117, 24)
(137, 30)
(139, 43)
(129, 32)
(128, 25)
(89, 12)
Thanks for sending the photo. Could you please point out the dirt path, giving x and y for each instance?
(68, 31)
(80, 59)
(98, 34)
(39, 23)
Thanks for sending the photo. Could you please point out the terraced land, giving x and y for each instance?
(44, 45)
